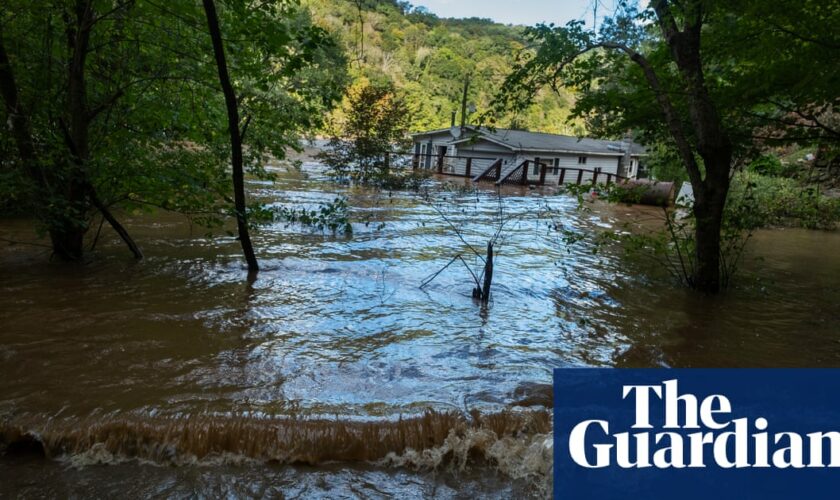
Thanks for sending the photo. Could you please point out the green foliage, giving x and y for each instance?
(672, 245)
(716, 81)
(755, 201)
(332, 217)
(373, 125)
(781, 201)
(404, 180)
(766, 164)
(153, 118)
(427, 59)
(664, 164)
(771, 74)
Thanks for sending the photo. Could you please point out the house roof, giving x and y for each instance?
(521, 140)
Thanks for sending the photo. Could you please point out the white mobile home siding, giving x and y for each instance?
(606, 164)
(484, 152)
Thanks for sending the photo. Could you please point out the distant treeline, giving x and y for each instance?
(427, 59)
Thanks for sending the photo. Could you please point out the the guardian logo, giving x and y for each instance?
(697, 432)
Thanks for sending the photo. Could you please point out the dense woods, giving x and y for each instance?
(690, 77)
(118, 104)
(427, 59)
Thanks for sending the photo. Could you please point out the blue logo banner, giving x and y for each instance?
(696, 433)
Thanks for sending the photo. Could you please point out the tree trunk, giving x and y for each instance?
(709, 203)
(235, 137)
(67, 231)
(712, 141)
(488, 274)
(68, 242)
(708, 217)
(75, 191)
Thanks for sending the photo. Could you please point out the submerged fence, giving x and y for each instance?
(530, 172)
(527, 172)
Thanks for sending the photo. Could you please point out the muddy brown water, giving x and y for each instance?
(175, 377)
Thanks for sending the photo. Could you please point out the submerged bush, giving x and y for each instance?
(755, 201)
(782, 201)
(374, 120)
(332, 217)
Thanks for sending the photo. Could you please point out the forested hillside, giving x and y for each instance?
(427, 58)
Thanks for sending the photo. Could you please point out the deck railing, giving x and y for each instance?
(518, 175)
(565, 175)
(493, 169)
(491, 173)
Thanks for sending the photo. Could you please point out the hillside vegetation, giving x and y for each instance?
(427, 59)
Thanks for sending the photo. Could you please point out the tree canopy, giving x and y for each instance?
(427, 58)
(713, 81)
(770, 69)
(373, 121)
(118, 103)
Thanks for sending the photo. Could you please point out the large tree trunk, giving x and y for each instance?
(68, 230)
(79, 192)
(235, 137)
(75, 191)
(709, 204)
(712, 142)
(68, 242)
(708, 217)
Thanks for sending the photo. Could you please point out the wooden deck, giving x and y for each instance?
(493, 170)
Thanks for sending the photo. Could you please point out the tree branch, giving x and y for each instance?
(245, 128)
(19, 119)
(94, 198)
(671, 118)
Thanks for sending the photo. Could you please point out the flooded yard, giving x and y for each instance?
(99, 359)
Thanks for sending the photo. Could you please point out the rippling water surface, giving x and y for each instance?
(337, 327)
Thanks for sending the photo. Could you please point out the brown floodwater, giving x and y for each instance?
(335, 374)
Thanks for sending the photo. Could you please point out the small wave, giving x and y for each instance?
(522, 456)
(515, 442)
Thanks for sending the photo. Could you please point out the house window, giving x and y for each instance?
(536, 169)
(556, 166)
(581, 160)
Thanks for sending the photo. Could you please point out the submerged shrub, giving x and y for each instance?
(781, 201)
(372, 125)
(332, 217)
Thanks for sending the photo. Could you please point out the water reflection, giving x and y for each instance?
(336, 324)
(339, 326)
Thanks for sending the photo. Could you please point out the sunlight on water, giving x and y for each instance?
(339, 327)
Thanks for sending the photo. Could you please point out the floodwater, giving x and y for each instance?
(335, 374)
